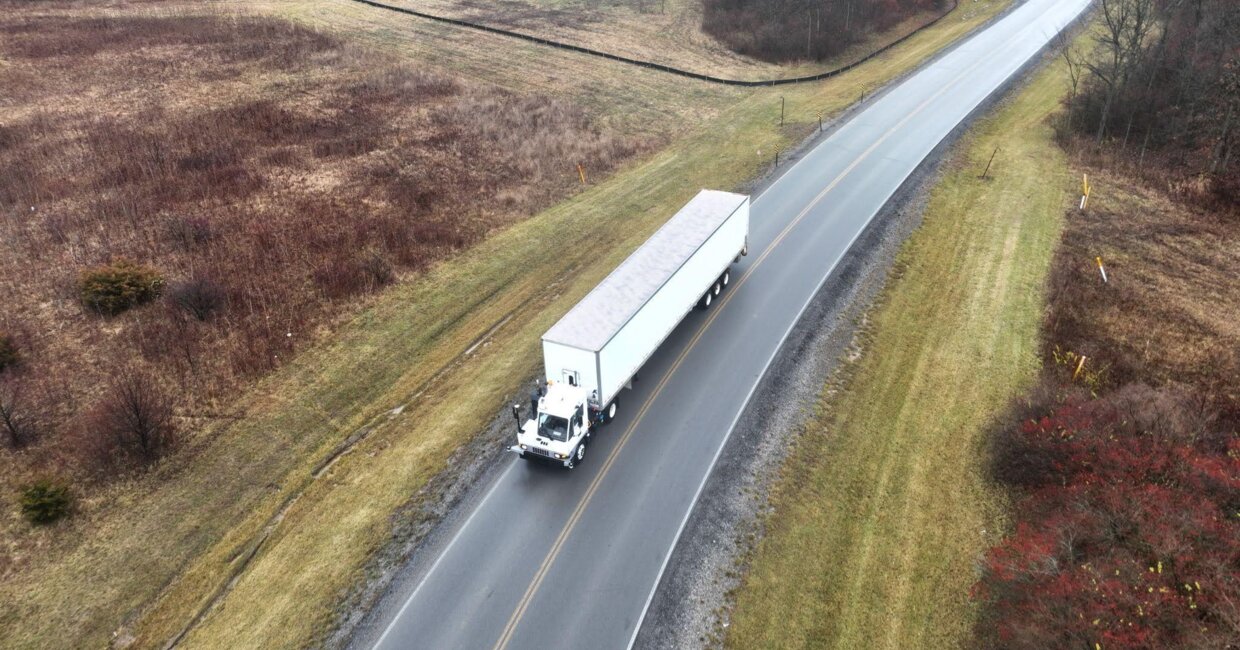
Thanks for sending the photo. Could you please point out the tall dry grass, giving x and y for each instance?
(273, 174)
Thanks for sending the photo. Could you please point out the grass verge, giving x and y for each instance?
(883, 509)
(251, 490)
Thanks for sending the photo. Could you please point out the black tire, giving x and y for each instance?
(578, 455)
(725, 278)
(610, 413)
(717, 289)
(704, 303)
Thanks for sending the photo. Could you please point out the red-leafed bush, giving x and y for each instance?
(1127, 528)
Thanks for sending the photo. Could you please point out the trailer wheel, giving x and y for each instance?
(723, 279)
(704, 303)
(717, 288)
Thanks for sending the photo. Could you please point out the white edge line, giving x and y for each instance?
(443, 553)
(731, 428)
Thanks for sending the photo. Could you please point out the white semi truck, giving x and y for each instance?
(598, 346)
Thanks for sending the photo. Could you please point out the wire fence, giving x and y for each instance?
(659, 66)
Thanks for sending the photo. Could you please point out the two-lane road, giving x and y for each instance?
(556, 559)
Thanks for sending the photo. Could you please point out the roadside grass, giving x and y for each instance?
(883, 510)
(150, 566)
(620, 97)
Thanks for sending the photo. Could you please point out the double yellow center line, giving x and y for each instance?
(543, 568)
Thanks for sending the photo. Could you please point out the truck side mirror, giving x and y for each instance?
(516, 415)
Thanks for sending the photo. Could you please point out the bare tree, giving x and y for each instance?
(1076, 67)
(1126, 24)
(16, 418)
(138, 415)
(1230, 84)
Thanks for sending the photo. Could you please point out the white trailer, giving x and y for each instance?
(598, 346)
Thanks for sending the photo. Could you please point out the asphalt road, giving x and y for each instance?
(556, 559)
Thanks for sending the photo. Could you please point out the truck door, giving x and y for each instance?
(578, 421)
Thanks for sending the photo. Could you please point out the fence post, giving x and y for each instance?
(992, 159)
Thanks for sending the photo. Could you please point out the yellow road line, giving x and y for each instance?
(528, 596)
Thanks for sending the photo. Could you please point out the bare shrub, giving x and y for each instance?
(113, 288)
(8, 352)
(134, 418)
(200, 296)
(17, 420)
(350, 275)
(190, 233)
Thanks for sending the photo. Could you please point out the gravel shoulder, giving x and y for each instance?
(691, 607)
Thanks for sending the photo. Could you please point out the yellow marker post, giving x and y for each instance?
(1079, 366)
(1101, 269)
(581, 171)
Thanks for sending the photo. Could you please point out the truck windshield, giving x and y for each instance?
(552, 426)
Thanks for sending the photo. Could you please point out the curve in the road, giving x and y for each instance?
(552, 559)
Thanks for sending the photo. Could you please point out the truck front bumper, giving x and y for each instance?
(530, 454)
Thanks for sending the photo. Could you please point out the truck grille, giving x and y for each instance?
(540, 452)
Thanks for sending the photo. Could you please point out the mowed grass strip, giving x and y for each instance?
(883, 509)
(149, 567)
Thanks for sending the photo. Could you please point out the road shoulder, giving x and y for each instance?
(693, 605)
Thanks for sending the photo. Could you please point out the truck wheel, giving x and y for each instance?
(717, 288)
(579, 454)
(704, 303)
(611, 412)
(723, 279)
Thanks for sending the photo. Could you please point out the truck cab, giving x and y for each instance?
(559, 430)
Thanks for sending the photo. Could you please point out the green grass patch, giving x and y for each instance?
(883, 509)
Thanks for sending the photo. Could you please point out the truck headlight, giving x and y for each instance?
(560, 456)
(523, 447)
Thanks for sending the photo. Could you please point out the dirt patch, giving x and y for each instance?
(1169, 311)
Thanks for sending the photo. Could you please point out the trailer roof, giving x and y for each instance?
(591, 323)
